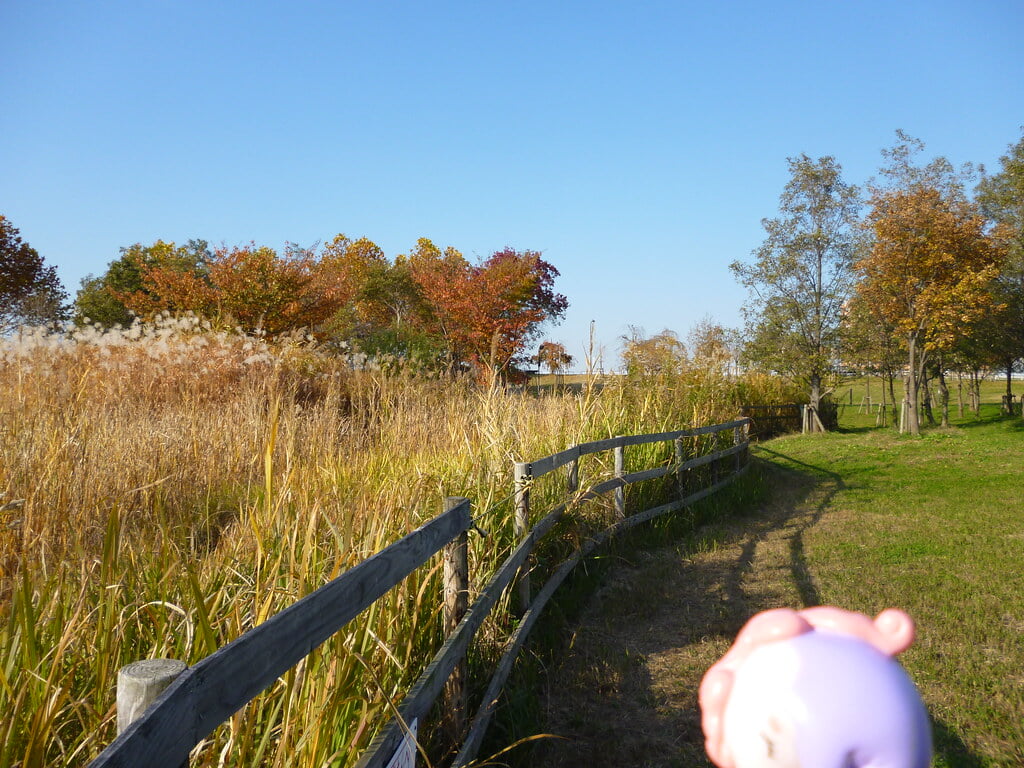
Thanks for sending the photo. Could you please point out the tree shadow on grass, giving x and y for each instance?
(860, 430)
(670, 608)
(622, 691)
(950, 749)
(1015, 423)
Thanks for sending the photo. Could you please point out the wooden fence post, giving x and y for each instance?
(680, 472)
(620, 471)
(523, 479)
(572, 476)
(139, 684)
(456, 602)
(746, 443)
(716, 462)
(737, 439)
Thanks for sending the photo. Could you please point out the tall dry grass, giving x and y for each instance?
(168, 487)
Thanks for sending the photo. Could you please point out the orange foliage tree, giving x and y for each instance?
(345, 270)
(162, 277)
(253, 286)
(432, 304)
(927, 274)
(260, 289)
(486, 313)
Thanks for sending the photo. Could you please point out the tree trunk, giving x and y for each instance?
(815, 399)
(882, 409)
(1008, 400)
(891, 378)
(912, 424)
(960, 393)
(943, 396)
(926, 400)
(976, 392)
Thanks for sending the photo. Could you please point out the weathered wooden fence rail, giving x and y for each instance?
(207, 694)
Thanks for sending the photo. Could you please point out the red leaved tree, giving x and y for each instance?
(489, 312)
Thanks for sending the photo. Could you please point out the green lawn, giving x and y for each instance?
(933, 525)
(859, 399)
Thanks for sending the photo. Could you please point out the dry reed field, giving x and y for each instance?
(166, 488)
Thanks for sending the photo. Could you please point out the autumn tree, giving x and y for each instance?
(486, 313)
(520, 288)
(253, 287)
(441, 280)
(930, 265)
(346, 269)
(165, 277)
(553, 356)
(1001, 198)
(260, 289)
(711, 346)
(150, 278)
(662, 354)
(30, 291)
(380, 306)
(802, 275)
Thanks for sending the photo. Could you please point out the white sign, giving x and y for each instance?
(405, 755)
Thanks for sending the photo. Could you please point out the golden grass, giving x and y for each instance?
(169, 487)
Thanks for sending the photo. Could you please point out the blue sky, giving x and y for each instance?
(637, 145)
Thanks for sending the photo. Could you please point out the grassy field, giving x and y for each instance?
(859, 399)
(863, 519)
(933, 526)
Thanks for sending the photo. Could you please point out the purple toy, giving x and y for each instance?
(817, 688)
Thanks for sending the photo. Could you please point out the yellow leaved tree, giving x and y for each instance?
(930, 265)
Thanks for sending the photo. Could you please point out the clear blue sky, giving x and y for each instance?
(637, 145)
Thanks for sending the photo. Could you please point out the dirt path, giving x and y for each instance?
(625, 694)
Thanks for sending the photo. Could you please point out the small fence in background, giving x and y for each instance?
(770, 420)
(181, 706)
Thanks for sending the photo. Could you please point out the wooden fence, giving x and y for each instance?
(205, 695)
(771, 420)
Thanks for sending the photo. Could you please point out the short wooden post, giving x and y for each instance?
(620, 471)
(680, 472)
(523, 480)
(572, 476)
(714, 464)
(456, 602)
(737, 439)
(140, 683)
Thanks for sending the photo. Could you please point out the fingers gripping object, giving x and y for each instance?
(817, 688)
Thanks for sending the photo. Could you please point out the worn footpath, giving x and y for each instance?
(625, 691)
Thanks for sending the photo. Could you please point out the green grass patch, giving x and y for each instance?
(933, 526)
